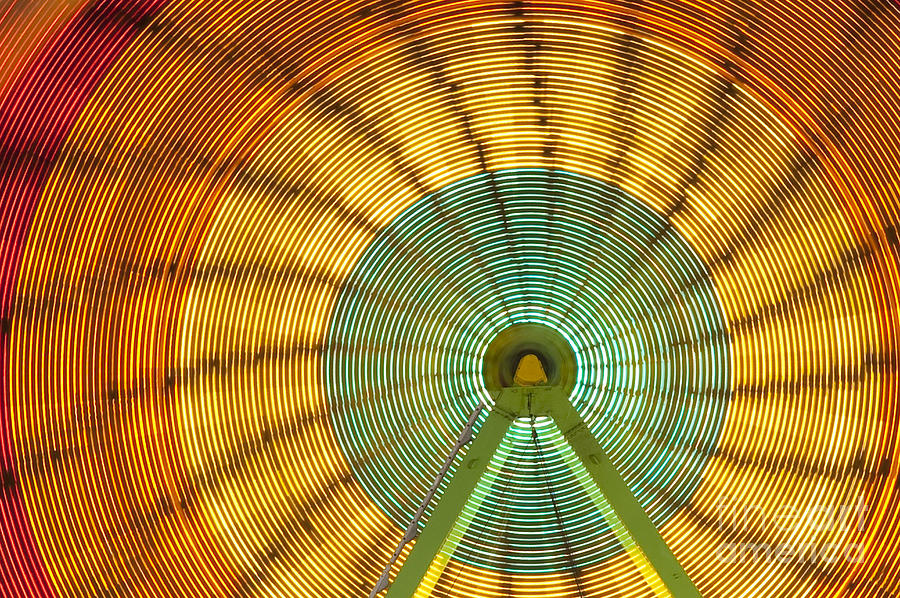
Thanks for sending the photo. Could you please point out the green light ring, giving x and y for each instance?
(415, 265)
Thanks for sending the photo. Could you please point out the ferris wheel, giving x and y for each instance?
(470, 298)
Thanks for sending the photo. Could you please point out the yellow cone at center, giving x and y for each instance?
(530, 371)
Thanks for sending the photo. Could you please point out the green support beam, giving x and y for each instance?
(511, 404)
(626, 507)
(440, 523)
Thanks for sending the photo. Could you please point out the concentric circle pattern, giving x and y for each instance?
(410, 329)
(253, 253)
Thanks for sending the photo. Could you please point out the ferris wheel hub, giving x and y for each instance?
(513, 351)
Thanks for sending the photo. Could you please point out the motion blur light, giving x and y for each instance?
(254, 254)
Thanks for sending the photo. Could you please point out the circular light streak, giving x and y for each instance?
(188, 188)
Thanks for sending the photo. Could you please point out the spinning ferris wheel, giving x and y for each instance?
(457, 299)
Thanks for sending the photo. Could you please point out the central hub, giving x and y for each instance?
(521, 343)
